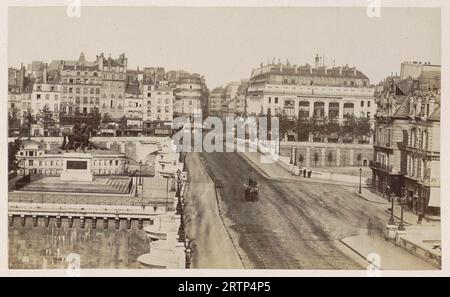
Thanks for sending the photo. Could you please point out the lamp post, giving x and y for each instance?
(360, 173)
(140, 172)
(391, 219)
(292, 153)
(188, 252)
(136, 187)
(181, 231)
(401, 225)
(178, 193)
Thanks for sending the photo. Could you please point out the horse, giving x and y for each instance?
(78, 137)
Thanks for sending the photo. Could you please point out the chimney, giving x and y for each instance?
(354, 71)
(317, 60)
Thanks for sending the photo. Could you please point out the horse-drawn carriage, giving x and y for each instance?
(251, 190)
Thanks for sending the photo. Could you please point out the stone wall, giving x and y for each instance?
(329, 154)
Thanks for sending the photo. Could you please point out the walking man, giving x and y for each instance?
(369, 227)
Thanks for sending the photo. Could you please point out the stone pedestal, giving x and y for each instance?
(77, 167)
(391, 231)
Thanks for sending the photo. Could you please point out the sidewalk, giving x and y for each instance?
(408, 217)
(275, 171)
(387, 256)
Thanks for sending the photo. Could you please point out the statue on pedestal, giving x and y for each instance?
(79, 137)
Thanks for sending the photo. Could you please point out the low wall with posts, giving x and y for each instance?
(329, 154)
(432, 257)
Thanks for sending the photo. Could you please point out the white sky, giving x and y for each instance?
(225, 44)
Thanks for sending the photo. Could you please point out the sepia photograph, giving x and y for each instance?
(223, 137)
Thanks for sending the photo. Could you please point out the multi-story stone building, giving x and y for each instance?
(47, 93)
(215, 100)
(20, 88)
(191, 95)
(46, 159)
(114, 78)
(158, 104)
(306, 92)
(134, 105)
(406, 139)
(80, 87)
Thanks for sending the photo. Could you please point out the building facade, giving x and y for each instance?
(114, 78)
(190, 95)
(80, 85)
(406, 140)
(306, 92)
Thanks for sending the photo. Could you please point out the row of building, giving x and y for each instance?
(406, 161)
(73, 89)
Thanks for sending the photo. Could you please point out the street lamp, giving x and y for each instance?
(188, 252)
(181, 231)
(360, 173)
(292, 154)
(178, 193)
(391, 219)
(136, 187)
(140, 172)
(401, 225)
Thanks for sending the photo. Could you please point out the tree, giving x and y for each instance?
(96, 118)
(331, 127)
(13, 116)
(358, 158)
(316, 158)
(13, 148)
(349, 127)
(330, 158)
(106, 118)
(30, 120)
(300, 159)
(45, 118)
(363, 127)
(286, 125)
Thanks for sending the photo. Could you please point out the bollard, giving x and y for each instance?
(35, 221)
(94, 223)
(22, 220)
(70, 222)
(58, 221)
(47, 221)
(82, 222)
(105, 223)
(128, 223)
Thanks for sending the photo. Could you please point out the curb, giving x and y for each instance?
(362, 196)
(358, 253)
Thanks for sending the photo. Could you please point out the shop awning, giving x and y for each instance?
(435, 197)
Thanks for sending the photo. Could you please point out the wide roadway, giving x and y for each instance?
(294, 224)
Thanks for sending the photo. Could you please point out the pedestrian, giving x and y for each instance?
(304, 172)
(369, 227)
(309, 173)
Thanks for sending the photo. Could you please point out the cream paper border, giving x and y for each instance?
(445, 139)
